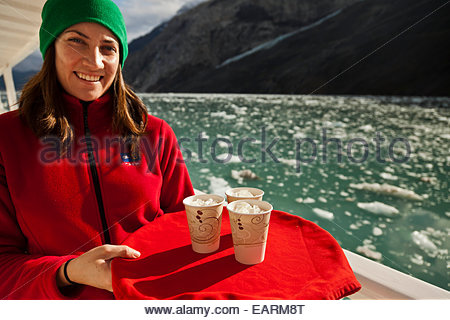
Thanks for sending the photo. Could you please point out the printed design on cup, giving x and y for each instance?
(249, 229)
(205, 227)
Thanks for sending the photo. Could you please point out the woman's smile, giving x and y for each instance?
(87, 77)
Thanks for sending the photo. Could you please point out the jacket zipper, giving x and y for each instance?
(94, 173)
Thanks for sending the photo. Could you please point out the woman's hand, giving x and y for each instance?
(93, 268)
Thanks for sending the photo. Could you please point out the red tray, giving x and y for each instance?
(303, 261)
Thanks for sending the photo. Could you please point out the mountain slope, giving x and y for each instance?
(414, 63)
(198, 40)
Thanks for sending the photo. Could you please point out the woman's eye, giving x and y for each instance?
(76, 40)
(110, 48)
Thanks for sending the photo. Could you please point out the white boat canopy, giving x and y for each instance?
(19, 37)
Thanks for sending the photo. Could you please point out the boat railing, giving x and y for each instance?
(380, 282)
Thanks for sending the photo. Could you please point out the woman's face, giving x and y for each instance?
(87, 58)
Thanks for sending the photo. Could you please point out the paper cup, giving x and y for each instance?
(257, 194)
(204, 222)
(249, 231)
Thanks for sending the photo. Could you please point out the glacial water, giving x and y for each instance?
(406, 229)
(330, 192)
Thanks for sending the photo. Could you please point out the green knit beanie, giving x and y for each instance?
(58, 15)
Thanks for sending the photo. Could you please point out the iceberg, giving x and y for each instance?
(378, 208)
(388, 176)
(424, 243)
(388, 189)
(218, 185)
(368, 251)
(377, 231)
(244, 174)
(324, 214)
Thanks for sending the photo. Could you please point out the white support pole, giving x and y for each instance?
(2, 107)
(10, 89)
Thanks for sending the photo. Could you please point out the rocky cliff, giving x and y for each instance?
(298, 46)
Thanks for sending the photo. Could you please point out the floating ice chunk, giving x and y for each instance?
(227, 159)
(339, 124)
(388, 176)
(437, 233)
(299, 135)
(405, 165)
(204, 170)
(377, 231)
(299, 200)
(324, 214)
(239, 110)
(366, 128)
(290, 162)
(218, 185)
(203, 134)
(378, 208)
(414, 138)
(223, 114)
(431, 180)
(424, 243)
(222, 144)
(322, 199)
(309, 200)
(412, 174)
(417, 259)
(243, 174)
(334, 124)
(354, 226)
(368, 252)
(344, 194)
(387, 189)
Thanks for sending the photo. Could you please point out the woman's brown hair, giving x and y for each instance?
(41, 106)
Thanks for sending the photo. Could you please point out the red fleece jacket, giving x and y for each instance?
(55, 208)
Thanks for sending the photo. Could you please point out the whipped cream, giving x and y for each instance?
(245, 207)
(241, 193)
(208, 202)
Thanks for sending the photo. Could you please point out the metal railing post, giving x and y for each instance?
(10, 88)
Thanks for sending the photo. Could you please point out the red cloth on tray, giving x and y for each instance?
(303, 261)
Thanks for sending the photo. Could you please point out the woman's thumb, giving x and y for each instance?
(125, 252)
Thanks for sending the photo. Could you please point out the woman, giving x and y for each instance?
(82, 164)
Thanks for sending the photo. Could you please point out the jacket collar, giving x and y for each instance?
(99, 113)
